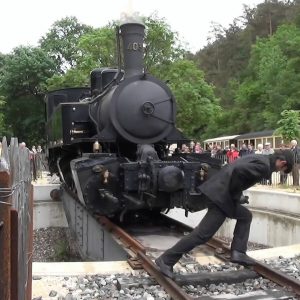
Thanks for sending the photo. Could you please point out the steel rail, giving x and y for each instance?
(168, 284)
(122, 235)
(139, 250)
(263, 269)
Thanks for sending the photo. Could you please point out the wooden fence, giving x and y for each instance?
(16, 228)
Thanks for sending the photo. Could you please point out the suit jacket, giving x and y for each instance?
(225, 187)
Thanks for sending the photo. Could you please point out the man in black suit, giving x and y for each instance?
(223, 194)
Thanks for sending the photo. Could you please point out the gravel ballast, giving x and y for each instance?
(53, 244)
(109, 287)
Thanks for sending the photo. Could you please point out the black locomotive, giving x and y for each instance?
(109, 142)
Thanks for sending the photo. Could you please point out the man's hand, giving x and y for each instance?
(244, 199)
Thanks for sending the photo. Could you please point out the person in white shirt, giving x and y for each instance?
(259, 149)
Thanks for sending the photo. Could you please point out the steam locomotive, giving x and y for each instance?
(109, 143)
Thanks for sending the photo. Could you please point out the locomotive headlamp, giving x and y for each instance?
(97, 147)
(202, 173)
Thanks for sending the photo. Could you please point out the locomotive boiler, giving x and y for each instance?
(109, 143)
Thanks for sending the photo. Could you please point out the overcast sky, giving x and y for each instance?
(23, 22)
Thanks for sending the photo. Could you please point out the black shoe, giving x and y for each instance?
(241, 258)
(165, 269)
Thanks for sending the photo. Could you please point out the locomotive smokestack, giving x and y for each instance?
(133, 39)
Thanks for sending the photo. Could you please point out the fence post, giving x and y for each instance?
(5, 234)
(14, 255)
(30, 245)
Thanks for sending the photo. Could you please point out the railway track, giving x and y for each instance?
(140, 259)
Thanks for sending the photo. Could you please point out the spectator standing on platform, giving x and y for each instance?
(243, 150)
(39, 149)
(296, 151)
(209, 148)
(226, 150)
(198, 148)
(283, 176)
(185, 149)
(250, 149)
(259, 149)
(219, 150)
(232, 154)
(267, 150)
(192, 146)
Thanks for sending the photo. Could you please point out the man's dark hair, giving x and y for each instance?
(286, 155)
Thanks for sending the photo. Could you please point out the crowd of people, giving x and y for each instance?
(37, 159)
(231, 153)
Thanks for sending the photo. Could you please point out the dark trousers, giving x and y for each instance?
(295, 173)
(208, 226)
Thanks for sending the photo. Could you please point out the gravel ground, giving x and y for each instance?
(52, 244)
(251, 245)
(290, 266)
(109, 287)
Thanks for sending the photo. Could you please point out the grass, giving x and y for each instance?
(62, 251)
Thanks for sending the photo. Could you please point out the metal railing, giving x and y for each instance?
(278, 179)
(16, 219)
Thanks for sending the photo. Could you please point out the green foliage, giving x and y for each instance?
(61, 251)
(197, 105)
(72, 78)
(97, 48)
(162, 45)
(259, 53)
(3, 130)
(25, 72)
(289, 125)
(272, 83)
(61, 42)
(228, 50)
(22, 86)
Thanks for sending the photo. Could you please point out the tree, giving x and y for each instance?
(272, 81)
(25, 72)
(97, 48)
(162, 43)
(289, 125)
(3, 129)
(2, 61)
(22, 87)
(61, 42)
(197, 105)
(226, 56)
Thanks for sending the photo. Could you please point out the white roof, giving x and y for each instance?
(221, 138)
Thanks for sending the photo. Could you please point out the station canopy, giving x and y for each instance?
(253, 135)
(221, 139)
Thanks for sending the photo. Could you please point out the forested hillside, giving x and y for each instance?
(254, 65)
